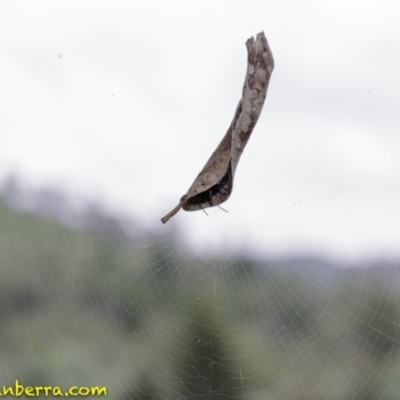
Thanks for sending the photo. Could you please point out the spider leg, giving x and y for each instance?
(204, 211)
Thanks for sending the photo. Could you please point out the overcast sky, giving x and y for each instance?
(124, 101)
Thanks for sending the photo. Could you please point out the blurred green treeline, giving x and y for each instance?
(149, 320)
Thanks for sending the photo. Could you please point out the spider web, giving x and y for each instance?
(90, 297)
(149, 320)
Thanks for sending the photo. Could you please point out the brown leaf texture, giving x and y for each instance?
(214, 183)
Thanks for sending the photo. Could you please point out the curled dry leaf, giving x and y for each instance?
(214, 183)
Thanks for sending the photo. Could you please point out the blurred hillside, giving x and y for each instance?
(91, 298)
